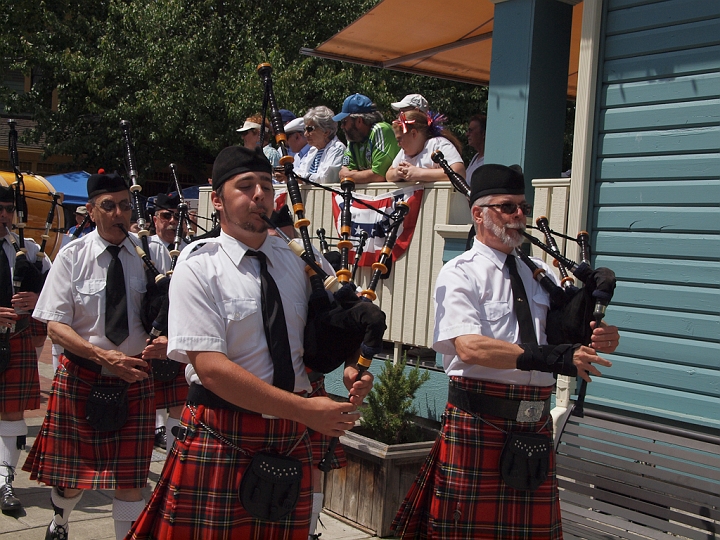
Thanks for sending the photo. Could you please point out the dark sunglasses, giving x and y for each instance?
(109, 206)
(9, 208)
(167, 215)
(310, 129)
(510, 208)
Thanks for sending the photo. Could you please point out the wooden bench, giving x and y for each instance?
(622, 477)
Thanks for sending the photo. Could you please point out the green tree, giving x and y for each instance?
(184, 73)
(389, 414)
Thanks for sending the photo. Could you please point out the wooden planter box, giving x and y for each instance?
(371, 488)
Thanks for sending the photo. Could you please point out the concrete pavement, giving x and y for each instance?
(92, 518)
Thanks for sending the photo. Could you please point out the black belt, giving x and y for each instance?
(509, 409)
(83, 362)
(199, 395)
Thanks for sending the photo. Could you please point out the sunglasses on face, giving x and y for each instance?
(166, 215)
(9, 208)
(310, 129)
(510, 208)
(109, 206)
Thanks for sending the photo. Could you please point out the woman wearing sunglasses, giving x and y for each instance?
(323, 161)
(419, 134)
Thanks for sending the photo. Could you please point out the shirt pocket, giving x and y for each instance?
(89, 294)
(493, 317)
(243, 324)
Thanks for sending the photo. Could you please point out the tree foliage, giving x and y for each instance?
(184, 73)
(388, 416)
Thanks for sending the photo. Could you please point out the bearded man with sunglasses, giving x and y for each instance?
(490, 328)
(98, 430)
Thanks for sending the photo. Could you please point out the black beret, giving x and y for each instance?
(282, 218)
(166, 201)
(235, 160)
(7, 194)
(495, 179)
(103, 182)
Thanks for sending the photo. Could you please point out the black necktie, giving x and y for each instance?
(276, 332)
(520, 303)
(6, 286)
(116, 311)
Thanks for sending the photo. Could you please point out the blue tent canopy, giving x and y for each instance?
(73, 185)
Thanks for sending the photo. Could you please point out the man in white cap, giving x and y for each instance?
(411, 102)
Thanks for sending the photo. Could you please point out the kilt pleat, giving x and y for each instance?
(20, 382)
(459, 493)
(172, 393)
(197, 494)
(68, 452)
(321, 442)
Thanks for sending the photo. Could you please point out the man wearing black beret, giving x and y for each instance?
(19, 335)
(98, 432)
(238, 307)
(170, 394)
(489, 313)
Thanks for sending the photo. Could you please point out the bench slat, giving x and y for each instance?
(651, 491)
(616, 497)
(623, 517)
(676, 472)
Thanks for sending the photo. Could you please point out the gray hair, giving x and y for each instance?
(483, 200)
(322, 117)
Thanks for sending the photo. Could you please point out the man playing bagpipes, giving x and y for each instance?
(98, 430)
(170, 385)
(19, 337)
(491, 473)
(240, 466)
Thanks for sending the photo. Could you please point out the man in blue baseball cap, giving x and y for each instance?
(372, 145)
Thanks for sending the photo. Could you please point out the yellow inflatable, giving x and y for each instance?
(39, 196)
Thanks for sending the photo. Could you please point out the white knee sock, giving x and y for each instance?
(9, 451)
(63, 506)
(171, 423)
(316, 509)
(124, 513)
(160, 417)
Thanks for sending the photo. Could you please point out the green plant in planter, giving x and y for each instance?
(388, 416)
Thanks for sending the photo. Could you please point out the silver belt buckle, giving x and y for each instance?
(530, 411)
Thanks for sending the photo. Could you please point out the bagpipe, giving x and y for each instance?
(27, 276)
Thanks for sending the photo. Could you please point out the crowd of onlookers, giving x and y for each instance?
(376, 150)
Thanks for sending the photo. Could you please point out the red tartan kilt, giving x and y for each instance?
(319, 441)
(459, 492)
(20, 382)
(69, 453)
(172, 393)
(197, 494)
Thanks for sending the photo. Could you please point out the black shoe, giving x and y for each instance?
(160, 437)
(8, 501)
(60, 532)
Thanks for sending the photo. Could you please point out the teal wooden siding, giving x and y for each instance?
(655, 207)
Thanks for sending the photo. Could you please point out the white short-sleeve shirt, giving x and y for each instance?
(423, 158)
(473, 296)
(215, 305)
(74, 292)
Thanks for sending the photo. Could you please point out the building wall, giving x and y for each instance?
(655, 205)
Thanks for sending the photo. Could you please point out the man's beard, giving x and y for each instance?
(252, 227)
(353, 135)
(502, 232)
